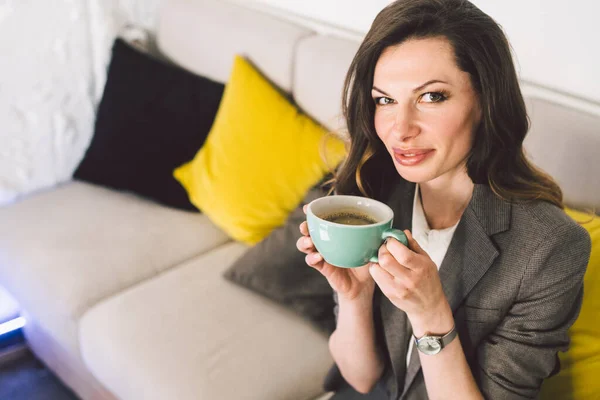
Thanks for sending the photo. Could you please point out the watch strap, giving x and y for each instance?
(449, 337)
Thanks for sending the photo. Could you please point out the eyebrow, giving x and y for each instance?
(415, 89)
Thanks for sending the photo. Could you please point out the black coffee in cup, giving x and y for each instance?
(349, 218)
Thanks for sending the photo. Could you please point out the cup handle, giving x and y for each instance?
(396, 234)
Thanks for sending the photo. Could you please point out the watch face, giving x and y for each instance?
(430, 345)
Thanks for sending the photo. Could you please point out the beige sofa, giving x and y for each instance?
(125, 298)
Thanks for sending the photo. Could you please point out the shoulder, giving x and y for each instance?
(542, 220)
(548, 240)
(533, 237)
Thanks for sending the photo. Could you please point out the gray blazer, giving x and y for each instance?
(513, 276)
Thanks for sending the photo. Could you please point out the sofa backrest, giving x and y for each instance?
(321, 66)
(565, 142)
(204, 35)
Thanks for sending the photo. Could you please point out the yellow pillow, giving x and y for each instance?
(580, 365)
(260, 158)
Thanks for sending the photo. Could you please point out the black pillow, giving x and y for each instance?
(276, 269)
(152, 118)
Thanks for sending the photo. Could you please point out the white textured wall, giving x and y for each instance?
(54, 57)
(45, 107)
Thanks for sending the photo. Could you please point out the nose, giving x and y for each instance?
(405, 124)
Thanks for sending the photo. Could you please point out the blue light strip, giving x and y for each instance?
(12, 325)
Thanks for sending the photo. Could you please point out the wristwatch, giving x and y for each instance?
(430, 345)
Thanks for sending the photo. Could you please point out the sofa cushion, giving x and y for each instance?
(260, 158)
(63, 250)
(580, 365)
(276, 269)
(152, 118)
(194, 335)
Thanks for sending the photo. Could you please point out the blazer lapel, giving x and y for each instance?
(472, 251)
(470, 254)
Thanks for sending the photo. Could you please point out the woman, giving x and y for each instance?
(437, 121)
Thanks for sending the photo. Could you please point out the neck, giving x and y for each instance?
(444, 201)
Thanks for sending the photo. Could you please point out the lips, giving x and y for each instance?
(411, 157)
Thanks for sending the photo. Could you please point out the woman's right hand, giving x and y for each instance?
(349, 283)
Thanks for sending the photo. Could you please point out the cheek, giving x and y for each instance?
(382, 124)
(459, 143)
(457, 130)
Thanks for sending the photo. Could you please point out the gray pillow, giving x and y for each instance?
(276, 269)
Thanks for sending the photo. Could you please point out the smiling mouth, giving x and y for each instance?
(411, 157)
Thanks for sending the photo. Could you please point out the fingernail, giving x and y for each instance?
(317, 257)
(306, 241)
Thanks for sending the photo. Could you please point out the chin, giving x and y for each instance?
(416, 175)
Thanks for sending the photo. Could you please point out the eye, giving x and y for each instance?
(433, 97)
(382, 101)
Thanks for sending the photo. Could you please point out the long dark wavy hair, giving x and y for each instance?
(481, 49)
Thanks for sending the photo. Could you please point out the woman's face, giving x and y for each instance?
(426, 110)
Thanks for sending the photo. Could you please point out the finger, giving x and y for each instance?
(304, 208)
(304, 228)
(388, 262)
(382, 278)
(413, 244)
(305, 244)
(403, 255)
(314, 260)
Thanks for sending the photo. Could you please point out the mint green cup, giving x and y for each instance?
(350, 246)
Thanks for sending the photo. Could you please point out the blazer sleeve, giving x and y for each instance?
(514, 359)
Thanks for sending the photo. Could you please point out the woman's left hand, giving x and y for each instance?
(410, 280)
